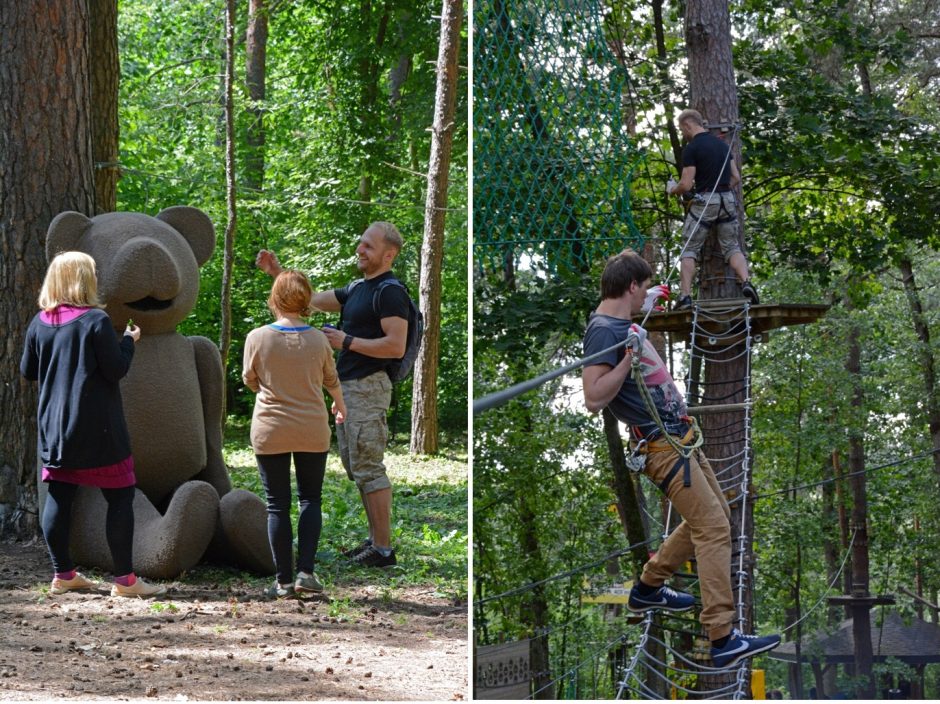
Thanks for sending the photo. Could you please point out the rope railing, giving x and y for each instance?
(562, 575)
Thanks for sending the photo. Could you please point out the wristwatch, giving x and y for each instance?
(347, 341)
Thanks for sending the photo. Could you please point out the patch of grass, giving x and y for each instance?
(158, 607)
(339, 607)
(429, 521)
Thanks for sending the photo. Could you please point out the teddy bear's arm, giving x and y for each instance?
(211, 386)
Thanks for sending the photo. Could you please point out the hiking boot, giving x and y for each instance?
(664, 598)
(747, 288)
(371, 557)
(278, 591)
(308, 583)
(683, 303)
(139, 588)
(79, 581)
(352, 552)
(740, 646)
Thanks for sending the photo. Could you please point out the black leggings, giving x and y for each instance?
(275, 475)
(119, 525)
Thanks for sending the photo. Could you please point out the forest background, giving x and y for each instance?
(839, 107)
(332, 111)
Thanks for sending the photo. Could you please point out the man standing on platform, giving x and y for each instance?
(708, 167)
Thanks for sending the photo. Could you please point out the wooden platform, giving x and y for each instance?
(721, 323)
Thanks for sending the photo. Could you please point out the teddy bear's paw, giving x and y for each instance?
(167, 545)
(244, 521)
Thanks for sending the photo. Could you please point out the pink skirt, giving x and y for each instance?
(112, 476)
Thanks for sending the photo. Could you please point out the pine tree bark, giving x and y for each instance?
(424, 424)
(105, 75)
(46, 167)
(713, 92)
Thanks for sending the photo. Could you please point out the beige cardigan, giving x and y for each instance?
(289, 371)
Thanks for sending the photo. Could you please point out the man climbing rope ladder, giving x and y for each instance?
(668, 440)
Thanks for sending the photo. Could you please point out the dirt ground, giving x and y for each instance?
(223, 642)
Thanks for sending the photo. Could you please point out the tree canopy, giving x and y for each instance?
(839, 113)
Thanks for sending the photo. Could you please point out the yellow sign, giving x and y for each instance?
(610, 594)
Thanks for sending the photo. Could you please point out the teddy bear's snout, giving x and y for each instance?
(149, 275)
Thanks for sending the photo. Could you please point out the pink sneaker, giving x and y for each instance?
(79, 581)
(138, 588)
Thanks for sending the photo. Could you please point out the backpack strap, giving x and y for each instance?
(376, 297)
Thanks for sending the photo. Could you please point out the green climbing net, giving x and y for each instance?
(552, 158)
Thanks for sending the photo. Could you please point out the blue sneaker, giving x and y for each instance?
(740, 646)
(663, 598)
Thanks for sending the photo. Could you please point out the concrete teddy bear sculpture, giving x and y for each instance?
(148, 270)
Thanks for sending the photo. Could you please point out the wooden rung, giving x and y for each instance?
(717, 408)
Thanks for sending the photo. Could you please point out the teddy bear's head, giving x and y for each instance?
(148, 267)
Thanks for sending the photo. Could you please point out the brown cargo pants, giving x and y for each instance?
(705, 533)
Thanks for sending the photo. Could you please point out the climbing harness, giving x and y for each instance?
(722, 208)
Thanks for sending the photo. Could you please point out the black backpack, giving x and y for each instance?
(400, 368)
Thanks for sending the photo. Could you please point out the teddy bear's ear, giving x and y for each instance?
(195, 226)
(64, 232)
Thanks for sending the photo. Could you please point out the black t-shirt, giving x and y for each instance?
(707, 154)
(360, 320)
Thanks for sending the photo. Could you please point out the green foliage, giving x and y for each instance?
(841, 151)
(343, 148)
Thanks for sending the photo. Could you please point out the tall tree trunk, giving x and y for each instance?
(662, 54)
(831, 551)
(628, 495)
(424, 426)
(534, 607)
(105, 74)
(225, 341)
(928, 364)
(713, 92)
(370, 68)
(46, 166)
(861, 616)
(256, 48)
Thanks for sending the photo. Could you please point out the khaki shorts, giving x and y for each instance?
(697, 225)
(364, 434)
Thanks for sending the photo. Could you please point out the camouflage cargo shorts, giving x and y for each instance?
(364, 434)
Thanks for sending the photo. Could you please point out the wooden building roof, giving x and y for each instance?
(915, 643)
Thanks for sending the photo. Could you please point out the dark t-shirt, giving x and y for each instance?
(79, 366)
(707, 154)
(360, 320)
(603, 331)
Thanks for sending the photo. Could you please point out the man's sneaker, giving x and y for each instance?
(663, 598)
(352, 552)
(307, 583)
(740, 646)
(79, 581)
(747, 288)
(683, 303)
(139, 588)
(371, 557)
(278, 591)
